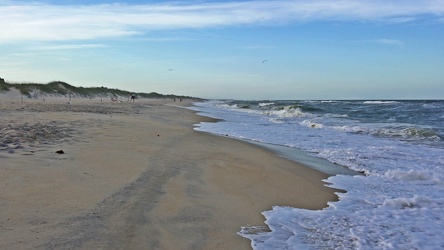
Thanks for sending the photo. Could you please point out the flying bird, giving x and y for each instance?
(170, 69)
(264, 61)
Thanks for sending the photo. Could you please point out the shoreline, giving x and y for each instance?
(139, 176)
(307, 160)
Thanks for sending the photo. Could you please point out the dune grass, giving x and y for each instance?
(62, 88)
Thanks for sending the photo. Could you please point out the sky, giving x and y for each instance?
(255, 50)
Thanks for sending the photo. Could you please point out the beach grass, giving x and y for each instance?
(60, 88)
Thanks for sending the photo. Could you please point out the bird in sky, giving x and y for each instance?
(170, 69)
(264, 61)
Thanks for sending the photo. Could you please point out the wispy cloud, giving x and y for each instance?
(168, 39)
(386, 41)
(69, 47)
(42, 22)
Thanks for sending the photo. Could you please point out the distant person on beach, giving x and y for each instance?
(133, 97)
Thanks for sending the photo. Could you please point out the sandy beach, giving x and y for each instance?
(135, 176)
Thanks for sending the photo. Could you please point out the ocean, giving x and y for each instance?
(397, 202)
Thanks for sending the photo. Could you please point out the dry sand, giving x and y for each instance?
(135, 176)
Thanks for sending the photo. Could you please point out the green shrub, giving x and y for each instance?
(4, 86)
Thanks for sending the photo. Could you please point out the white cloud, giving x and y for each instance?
(167, 39)
(69, 46)
(22, 22)
(387, 41)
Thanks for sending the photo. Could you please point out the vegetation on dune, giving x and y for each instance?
(3, 85)
(32, 90)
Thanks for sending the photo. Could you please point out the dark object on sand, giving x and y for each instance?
(60, 152)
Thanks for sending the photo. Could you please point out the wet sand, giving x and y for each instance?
(135, 176)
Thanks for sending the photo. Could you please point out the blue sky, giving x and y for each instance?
(314, 49)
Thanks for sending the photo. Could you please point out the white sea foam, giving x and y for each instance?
(379, 102)
(285, 112)
(311, 124)
(263, 104)
(353, 129)
(416, 176)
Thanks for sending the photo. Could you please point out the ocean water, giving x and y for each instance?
(398, 203)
